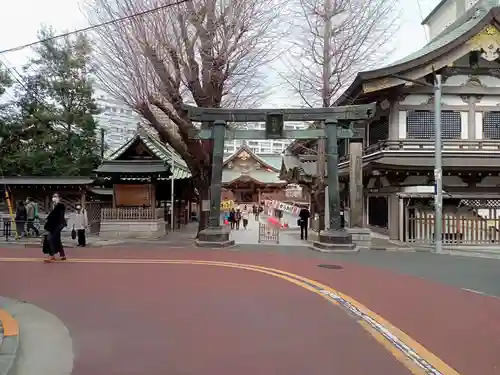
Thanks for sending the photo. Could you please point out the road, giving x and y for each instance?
(134, 311)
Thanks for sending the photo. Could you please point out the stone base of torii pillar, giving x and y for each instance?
(214, 238)
(337, 241)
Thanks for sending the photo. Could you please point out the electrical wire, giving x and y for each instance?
(88, 28)
(422, 18)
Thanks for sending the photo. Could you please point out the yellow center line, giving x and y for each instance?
(380, 329)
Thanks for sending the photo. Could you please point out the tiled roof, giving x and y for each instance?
(258, 175)
(159, 149)
(269, 160)
(461, 26)
(21, 180)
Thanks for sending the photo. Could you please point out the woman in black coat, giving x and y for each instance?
(20, 219)
(54, 224)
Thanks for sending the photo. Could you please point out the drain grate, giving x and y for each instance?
(330, 266)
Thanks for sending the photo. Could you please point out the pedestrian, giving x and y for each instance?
(255, 212)
(304, 216)
(20, 219)
(54, 225)
(237, 218)
(231, 219)
(31, 214)
(80, 224)
(244, 216)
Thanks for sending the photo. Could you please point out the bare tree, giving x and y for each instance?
(211, 53)
(332, 41)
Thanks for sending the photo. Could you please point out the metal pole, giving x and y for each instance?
(438, 170)
(102, 144)
(172, 168)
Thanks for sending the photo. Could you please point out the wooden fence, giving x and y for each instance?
(457, 229)
(131, 213)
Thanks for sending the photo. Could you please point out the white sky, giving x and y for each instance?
(20, 20)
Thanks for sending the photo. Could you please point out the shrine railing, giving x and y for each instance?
(131, 213)
(416, 145)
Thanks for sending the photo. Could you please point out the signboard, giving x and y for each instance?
(274, 126)
(133, 195)
(227, 205)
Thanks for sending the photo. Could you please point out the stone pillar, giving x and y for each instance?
(356, 185)
(393, 216)
(361, 235)
(335, 239)
(215, 235)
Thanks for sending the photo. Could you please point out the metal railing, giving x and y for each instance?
(422, 145)
(269, 233)
(457, 229)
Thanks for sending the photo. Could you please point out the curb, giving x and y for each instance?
(9, 329)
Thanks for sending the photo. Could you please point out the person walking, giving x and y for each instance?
(244, 216)
(31, 212)
(255, 212)
(231, 219)
(54, 225)
(80, 224)
(20, 219)
(237, 218)
(304, 216)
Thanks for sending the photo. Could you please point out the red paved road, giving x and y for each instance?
(189, 319)
(283, 325)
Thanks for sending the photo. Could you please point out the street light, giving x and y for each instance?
(438, 160)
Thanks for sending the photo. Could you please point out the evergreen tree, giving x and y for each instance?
(56, 109)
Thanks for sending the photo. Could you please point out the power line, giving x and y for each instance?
(110, 22)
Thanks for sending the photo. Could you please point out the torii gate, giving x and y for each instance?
(337, 126)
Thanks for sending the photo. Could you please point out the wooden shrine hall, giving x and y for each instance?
(248, 178)
(137, 179)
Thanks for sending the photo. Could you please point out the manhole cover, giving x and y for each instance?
(330, 266)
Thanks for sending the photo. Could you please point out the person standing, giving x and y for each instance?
(80, 224)
(304, 216)
(244, 216)
(54, 225)
(231, 219)
(31, 213)
(255, 212)
(237, 218)
(20, 219)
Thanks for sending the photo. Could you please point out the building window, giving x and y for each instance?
(378, 130)
(491, 125)
(420, 125)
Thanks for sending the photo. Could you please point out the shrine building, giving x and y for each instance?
(398, 144)
(248, 178)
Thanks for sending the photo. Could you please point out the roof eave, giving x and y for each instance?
(355, 89)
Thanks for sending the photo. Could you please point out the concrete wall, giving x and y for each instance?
(132, 229)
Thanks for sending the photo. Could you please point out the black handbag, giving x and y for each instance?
(45, 244)
(73, 233)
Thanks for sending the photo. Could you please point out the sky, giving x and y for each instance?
(20, 21)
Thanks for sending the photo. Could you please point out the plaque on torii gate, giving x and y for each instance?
(337, 126)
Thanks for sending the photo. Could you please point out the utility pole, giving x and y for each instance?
(438, 158)
(102, 144)
(438, 168)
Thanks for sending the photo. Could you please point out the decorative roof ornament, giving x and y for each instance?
(487, 42)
